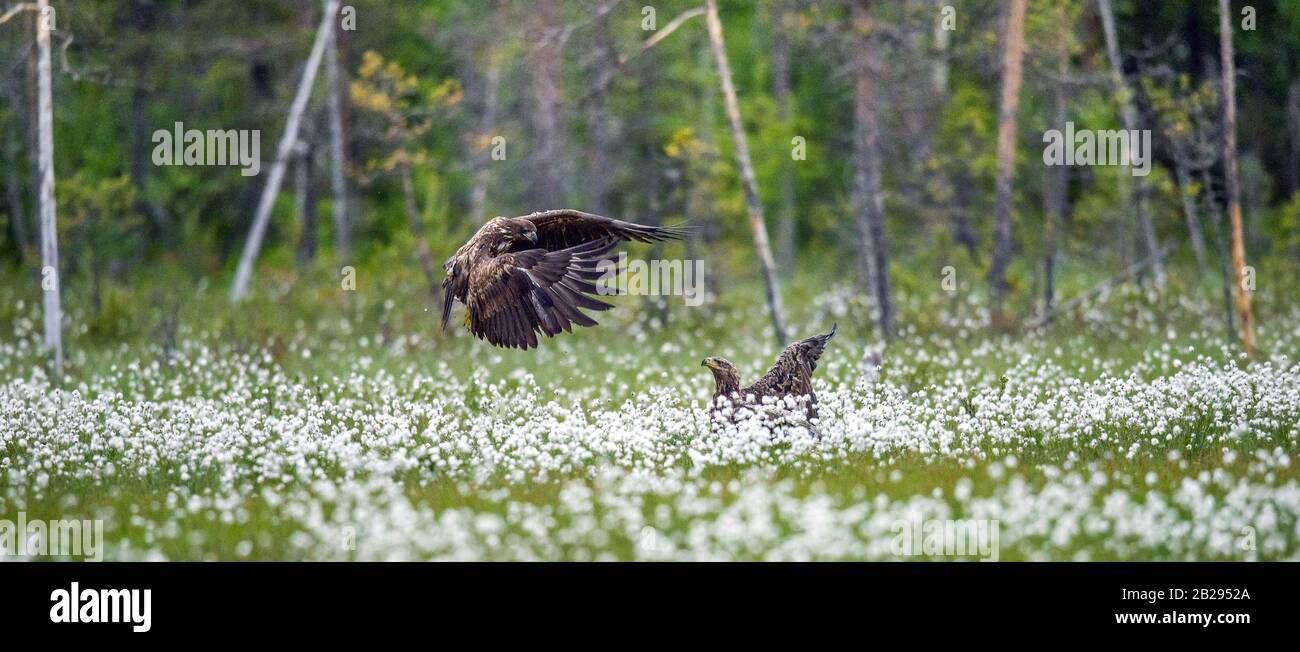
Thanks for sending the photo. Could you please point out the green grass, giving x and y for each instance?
(339, 444)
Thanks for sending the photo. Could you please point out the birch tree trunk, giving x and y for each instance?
(1009, 104)
(338, 156)
(750, 183)
(244, 271)
(50, 282)
(1139, 191)
(1229, 70)
(869, 197)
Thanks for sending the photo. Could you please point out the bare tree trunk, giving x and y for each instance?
(1189, 208)
(1128, 113)
(338, 155)
(244, 271)
(870, 202)
(1229, 70)
(546, 178)
(755, 208)
(417, 231)
(1012, 55)
(50, 282)
(1056, 179)
(785, 230)
(482, 173)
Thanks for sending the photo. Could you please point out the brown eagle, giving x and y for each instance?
(790, 376)
(520, 276)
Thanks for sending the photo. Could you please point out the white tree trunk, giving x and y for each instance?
(338, 184)
(244, 272)
(49, 232)
(747, 178)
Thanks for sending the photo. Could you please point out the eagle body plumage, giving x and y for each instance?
(521, 276)
(790, 376)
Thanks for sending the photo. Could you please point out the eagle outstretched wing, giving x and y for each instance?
(514, 296)
(564, 228)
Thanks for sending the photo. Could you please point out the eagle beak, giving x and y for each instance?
(532, 237)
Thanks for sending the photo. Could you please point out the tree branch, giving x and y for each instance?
(562, 35)
(608, 77)
(15, 10)
(1129, 272)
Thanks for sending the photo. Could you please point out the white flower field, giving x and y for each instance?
(1145, 438)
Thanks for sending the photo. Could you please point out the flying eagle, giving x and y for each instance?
(790, 376)
(520, 276)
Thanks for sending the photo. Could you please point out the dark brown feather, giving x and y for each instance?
(790, 376)
(519, 276)
(564, 228)
(513, 297)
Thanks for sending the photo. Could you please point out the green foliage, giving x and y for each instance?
(416, 87)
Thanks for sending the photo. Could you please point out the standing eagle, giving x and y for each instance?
(519, 276)
(790, 376)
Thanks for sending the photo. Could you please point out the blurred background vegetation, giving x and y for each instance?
(592, 121)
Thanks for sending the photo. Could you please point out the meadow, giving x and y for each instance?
(318, 424)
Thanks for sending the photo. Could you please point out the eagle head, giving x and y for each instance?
(725, 375)
(513, 234)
